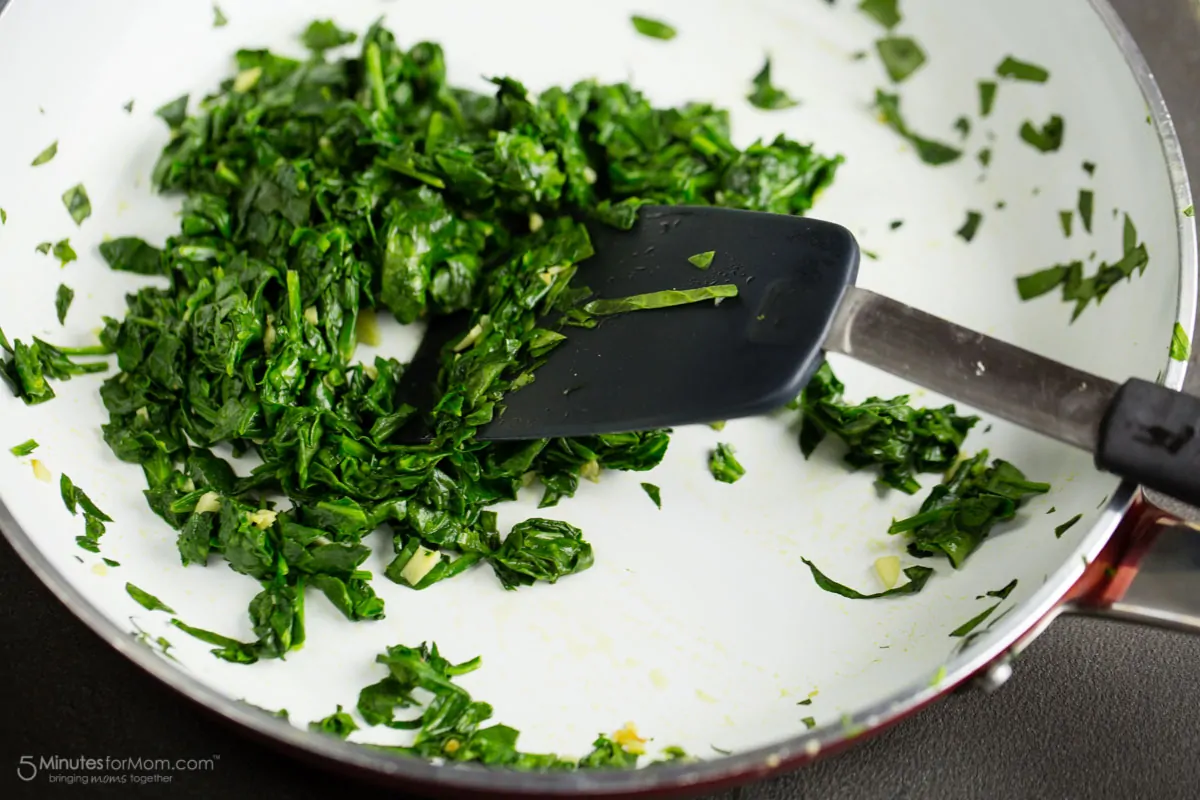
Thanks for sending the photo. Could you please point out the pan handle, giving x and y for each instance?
(1149, 572)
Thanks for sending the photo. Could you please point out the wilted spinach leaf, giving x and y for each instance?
(929, 151)
(917, 578)
(885, 12)
(147, 600)
(1021, 71)
(24, 448)
(46, 155)
(77, 203)
(901, 56)
(664, 299)
(724, 466)
(1180, 344)
(64, 252)
(339, 724)
(959, 514)
(62, 302)
(900, 439)
(652, 28)
(766, 95)
(654, 493)
(971, 226)
(1048, 138)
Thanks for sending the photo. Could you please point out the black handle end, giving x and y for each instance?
(1151, 434)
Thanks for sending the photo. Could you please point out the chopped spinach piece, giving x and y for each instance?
(64, 252)
(917, 578)
(219, 18)
(1190, 211)
(654, 493)
(987, 97)
(900, 439)
(963, 126)
(322, 35)
(110, 562)
(25, 368)
(929, 151)
(44, 248)
(46, 155)
(652, 28)
(808, 722)
(901, 56)
(128, 107)
(1003, 592)
(664, 299)
(702, 260)
(724, 466)
(130, 254)
(885, 12)
(62, 302)
(77, 203)
(1048, 138)
(174, 112)
(985, 160)
(147, 600)
(959, 514)
(1080, 290)
(974, 622)
(1086, 204)
(1022, 71)
(540, 549)
(339, 724)
(24, 448)
(1181, 346)
(766, 95)
(93, 529)
(1089, 168)
(1065, 219)
(227, 649)
(971, 226)
(3, 217)
(74, 498)
(895, 224)
(1066, 526)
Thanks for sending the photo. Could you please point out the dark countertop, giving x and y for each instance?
(1095, 709)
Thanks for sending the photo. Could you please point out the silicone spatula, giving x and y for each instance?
(754, 352)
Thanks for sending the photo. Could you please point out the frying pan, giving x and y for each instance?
(699, 623)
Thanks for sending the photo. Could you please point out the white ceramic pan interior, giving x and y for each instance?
(698, 622)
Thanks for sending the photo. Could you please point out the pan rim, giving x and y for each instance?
(755, 764)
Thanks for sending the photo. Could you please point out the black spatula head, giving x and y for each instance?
(695, 363)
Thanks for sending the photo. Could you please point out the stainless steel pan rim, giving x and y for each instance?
(755, 763)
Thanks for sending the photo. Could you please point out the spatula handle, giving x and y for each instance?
(1151, 435)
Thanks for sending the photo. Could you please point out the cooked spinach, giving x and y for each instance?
(664, 299)
(1086, 205)
(917, 578)
(3, 217)
(449, 723)
(1066, 526)
(766, 95)
(219, 18)
(77, 203)
(147, 600)
(62, 302)
(1021, 71)
(26, 368)
(1048, 138)
(970, 226)
(900, 439)
(724, 466)
(808, 722)
(652, 491)
(987, 97)
(64, 252)
(1190, 211)
(959, 514)
(1080, 290)
(702, 260)
(128, 107)
(339, 724)
(111, 562)
(895, 224)
(318, 192)
(974, 622)
(984, 157)
(963, 126)
(929, 151)
(652, 28)
(44, 248)
(1003, 592)
(885, 12)
(1089, 168)
(1065, 219)
(46, 155)
(901, 56)
(322, 35)
(227, 649)
(1181, 347)
(24, 448)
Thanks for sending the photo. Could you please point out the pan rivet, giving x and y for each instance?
(995, 675)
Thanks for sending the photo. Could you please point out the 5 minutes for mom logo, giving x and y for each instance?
(109, 769)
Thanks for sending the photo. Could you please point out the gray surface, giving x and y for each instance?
(1095, 709)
